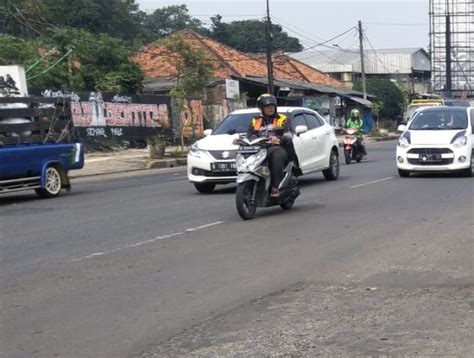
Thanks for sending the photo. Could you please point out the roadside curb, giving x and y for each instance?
(166, 163)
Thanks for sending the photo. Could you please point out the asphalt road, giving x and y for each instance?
(142, 265)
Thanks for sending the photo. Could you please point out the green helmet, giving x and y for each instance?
(354, 112)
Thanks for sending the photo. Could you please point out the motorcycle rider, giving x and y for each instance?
(276, 126)
(356, 122)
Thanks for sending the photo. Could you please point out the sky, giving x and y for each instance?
(387, 23)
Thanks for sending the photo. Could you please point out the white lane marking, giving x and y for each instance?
(371, 182)
(204, 226)
(161, 237)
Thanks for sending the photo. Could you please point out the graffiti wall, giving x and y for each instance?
(100, 115)
(104, 109)
(191, 118)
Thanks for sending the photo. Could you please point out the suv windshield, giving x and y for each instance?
(235, 123)
(440, 120)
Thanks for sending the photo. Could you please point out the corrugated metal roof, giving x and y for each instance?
(384, 61)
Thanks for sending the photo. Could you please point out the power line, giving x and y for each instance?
(331, 39)
(376, 54)
(296, 27)
(231, 16)
(395, 24)
(334, 59)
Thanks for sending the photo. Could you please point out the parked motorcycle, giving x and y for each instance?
(352, 151)
(253, 181)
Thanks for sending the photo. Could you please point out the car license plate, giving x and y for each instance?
(223, 167)
(430, 158)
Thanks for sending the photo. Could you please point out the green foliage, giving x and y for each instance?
(102, 35)
(32, 18)
(167, 20)
(249, 36)
(14, 50)
(389, 97)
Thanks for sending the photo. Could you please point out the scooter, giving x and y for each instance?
(253, 180)
(351, 148)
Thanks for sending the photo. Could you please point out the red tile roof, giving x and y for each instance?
(157, 61)
(303, 72)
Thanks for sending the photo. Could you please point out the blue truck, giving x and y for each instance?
(38, 145)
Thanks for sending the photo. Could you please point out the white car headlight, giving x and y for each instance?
(460, 142)
(403, 142)
(195, 151)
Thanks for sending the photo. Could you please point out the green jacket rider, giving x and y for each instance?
(356, 122)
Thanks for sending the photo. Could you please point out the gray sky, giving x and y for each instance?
(388, 23)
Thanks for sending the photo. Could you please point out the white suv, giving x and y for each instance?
(437, 139)
(211, 160)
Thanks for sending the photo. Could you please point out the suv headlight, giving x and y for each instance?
(195, 151)
(460, 141)
(403, 142)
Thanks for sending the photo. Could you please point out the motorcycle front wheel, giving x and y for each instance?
(246, 206)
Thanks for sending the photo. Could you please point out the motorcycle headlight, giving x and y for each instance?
(460, 141)
(248, 164)
(195, 151)
(403, 142)
(258, 158)
(240, 163)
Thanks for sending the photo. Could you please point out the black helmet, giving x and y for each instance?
(265, 100)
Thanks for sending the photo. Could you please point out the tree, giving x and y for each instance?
(249, 36)
(14, 51)
(194, 71)
(74, 60)
(389, 97)
(167, 20)
(33, 18)
(193, 67)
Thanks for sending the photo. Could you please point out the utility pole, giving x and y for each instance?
(269, 51)
(362, 64)
(449, 82)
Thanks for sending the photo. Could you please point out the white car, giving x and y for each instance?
(437, 139)
(211, 160)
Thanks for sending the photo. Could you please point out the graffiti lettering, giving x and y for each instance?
(98, 113)
(124, 99)
(117, 132)
(192, 118)
(96, 132)
(73, 96)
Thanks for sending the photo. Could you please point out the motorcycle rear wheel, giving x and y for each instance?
(287, 205)
(347, 156)
(243, 200)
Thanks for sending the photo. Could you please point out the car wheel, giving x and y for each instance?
(332, 173)
(403, 173)
(205, 188)
(53, 184)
